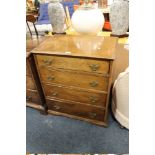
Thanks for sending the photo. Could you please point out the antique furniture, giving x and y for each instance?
(31, 43)
(76, 74)
(34, 93)
(121, 60)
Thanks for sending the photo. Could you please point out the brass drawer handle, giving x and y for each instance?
(94, 67)
(56, 107)
(47, 61)
(92, 115)
(93, 83)
(93, 99)
(28, 98)
(50, 78)
(54, 93)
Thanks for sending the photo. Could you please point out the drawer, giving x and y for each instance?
(30, 83)
(70, 78)
(80, 64)
(28, 70)
(74, 94)
(32, 96)
(76, 109)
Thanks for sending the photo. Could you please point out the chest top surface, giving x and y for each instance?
(80, 46)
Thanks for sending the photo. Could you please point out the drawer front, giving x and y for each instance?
(32, 96)
(74, 94)
(30, 83)
(28, 71)
(76, 79)
(80, 64)
(76, 109)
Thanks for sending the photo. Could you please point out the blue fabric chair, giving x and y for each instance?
(43, 14)
(70, 4)
(43, 11)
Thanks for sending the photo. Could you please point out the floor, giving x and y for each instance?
(56, 134)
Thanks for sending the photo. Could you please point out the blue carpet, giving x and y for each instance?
(56, 134)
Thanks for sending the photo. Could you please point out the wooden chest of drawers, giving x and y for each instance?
(75, 74)
(34, 93)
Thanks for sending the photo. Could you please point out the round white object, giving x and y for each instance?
(87, 21)
(120, 98)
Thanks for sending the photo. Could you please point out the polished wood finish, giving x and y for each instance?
(31, 43)
(79, 46)
(36, 106)
(76, 75)
(30, 83)
(34, 93)
(97, 66)
(32, 96)
(76, 110)
(73, 78)
(121, 61)
(28, 70)
(73, 93)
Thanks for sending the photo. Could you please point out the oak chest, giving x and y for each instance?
(75, 74)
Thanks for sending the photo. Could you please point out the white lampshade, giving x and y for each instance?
(87, 21)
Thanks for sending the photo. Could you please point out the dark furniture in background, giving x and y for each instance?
(34, 93)
(31, 18)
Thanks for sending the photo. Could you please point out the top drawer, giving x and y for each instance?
(80, 64)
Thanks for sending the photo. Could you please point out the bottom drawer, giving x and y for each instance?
(32, 96)
(76, 109)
